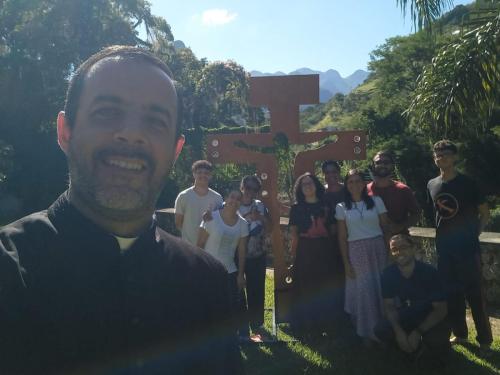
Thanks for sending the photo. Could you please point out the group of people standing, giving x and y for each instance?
(339, 246)
(352, 255)
(232, 230)
(352, 240)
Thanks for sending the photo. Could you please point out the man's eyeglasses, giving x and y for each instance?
(332, 171)
(251, 188)
(382, 162)
(303, 184)
(444, 154)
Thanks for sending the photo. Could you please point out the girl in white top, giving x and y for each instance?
(361, 220)
(224, 233)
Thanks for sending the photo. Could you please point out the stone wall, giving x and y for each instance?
(490, 256)
(490, 251)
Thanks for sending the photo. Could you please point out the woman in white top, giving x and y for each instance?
(360, 223)
(222, 235)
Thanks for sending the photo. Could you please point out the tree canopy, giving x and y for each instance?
(428, 86)
(41, 44)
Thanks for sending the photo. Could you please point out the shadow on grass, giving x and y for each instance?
(350, 357)
(341, 353)
(287, 356)
(326, 356)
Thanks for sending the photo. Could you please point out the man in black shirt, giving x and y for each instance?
(334, 194)
(334, 189)
(414, 303)
(92, 285)
(461, 214)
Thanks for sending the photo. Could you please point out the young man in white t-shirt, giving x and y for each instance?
(193, 202)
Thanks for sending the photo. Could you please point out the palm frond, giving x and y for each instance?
(463, 79)
(424, 12)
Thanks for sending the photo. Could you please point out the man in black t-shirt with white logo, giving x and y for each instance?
(461, 213)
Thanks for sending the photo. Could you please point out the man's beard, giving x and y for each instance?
(385, 172)
(113, 199)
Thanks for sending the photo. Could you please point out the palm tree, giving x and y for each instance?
(457, 92)
(424, 12)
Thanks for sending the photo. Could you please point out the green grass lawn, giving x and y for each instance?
(328, 356)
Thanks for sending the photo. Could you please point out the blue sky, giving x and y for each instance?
(279, 35)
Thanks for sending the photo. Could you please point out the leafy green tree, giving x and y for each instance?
(222, 94)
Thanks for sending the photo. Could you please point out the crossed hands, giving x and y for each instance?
(408, 343)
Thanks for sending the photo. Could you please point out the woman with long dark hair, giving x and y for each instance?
(360, 223)
(310, 222)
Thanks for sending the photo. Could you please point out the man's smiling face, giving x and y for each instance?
(383, 166)
(121, 147)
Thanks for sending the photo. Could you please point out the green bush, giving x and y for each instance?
(494, 223)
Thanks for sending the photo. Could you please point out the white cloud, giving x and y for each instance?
(217, 17)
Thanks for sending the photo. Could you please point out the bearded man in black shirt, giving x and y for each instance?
(414, 304)
(92, 285)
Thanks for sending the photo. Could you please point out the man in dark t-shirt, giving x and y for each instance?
(402, 207)
(461, 213)
(334, 194)
(92, 285)
(334, 189)
(414, 304)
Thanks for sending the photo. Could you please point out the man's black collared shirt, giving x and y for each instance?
(70, 299)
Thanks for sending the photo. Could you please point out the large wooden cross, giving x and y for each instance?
(283, 95)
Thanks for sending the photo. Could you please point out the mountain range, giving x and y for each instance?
(330, 82)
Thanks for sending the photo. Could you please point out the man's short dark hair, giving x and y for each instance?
(330, 162)
(387, 154)
(202, 164)
(77, 81)
(251, 179)
(445, 145)
(405, 237)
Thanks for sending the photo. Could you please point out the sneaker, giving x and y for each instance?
(257, 338)
(457, 340)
